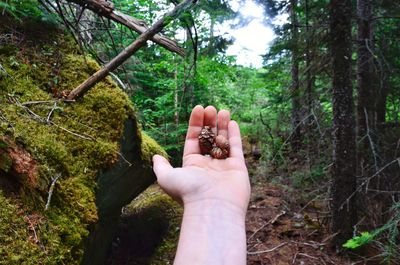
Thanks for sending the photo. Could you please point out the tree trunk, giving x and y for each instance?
(295, 88)
(310, 79)
(344, 214)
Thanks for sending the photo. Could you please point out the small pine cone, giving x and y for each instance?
(222, 142)
(206, 140)
(219, 153)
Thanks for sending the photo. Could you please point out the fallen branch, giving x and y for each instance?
(267, 250)
(131, 49)
(106, 9)
(51, 189)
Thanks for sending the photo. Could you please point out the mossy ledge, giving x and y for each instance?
(93, 147)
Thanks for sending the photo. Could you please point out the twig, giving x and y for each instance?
(272, 221)
(47, 121)
(119, 81)
(51, 189)
(123, 158)
(267, 250)
(27, 103)
(295, 257)
(51, 112)
(2, 69)
(371, 142)
(397, 160)
(88, 137)
(308, 256)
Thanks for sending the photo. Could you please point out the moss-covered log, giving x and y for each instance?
(87, 143)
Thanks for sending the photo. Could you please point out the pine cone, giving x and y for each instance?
(206, 140)
(219, 153)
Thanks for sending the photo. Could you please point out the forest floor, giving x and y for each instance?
(285, 225)
(279, 232)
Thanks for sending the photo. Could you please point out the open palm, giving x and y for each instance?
(202, 178)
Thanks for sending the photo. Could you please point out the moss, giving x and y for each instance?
(150, 147)
(149, 229)
(82, 138)
(20, 242)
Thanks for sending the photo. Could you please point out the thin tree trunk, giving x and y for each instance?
(365, 68)
(295, 88)
(344, 211)
(310, 77)
(176, 98)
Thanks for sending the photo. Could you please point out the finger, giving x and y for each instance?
(161, 168)
(235, 141)
(210, 118)
(195, 125)
(223, 120)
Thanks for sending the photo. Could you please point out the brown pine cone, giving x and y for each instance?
(206, 140)
(219, 153)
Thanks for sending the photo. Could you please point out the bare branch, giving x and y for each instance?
(51, 189)
(268, 250)
(131, 49)
(106, 9)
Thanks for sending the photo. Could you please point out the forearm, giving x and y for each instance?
(212, 233)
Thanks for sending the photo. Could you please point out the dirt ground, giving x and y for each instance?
(278, 234)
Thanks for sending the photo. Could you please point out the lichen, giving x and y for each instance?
(73, 140)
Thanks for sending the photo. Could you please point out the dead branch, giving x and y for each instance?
(38, 118)
(272, 221)
(106, 9)
(131, 49)
(396, 160)
(267, 250)
(51, 189)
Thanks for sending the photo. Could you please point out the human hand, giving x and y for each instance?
(204, 182)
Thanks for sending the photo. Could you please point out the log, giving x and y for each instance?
(106, 9)
(131, 49)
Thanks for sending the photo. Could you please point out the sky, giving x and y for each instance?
(252, 40)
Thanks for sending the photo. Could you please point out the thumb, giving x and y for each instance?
(161, 167)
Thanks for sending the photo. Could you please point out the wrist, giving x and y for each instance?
(215, 210)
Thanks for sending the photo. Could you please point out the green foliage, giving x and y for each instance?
(358, 241)
(19, 9)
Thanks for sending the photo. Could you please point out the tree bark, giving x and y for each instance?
(295, 88)
(131, 49)
(344, 214)
(106, 9)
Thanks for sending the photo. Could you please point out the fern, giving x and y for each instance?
(358, 241)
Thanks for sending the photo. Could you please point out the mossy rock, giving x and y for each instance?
(75, 141)
(148, 230)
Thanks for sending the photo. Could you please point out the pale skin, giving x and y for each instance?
(214, 193)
